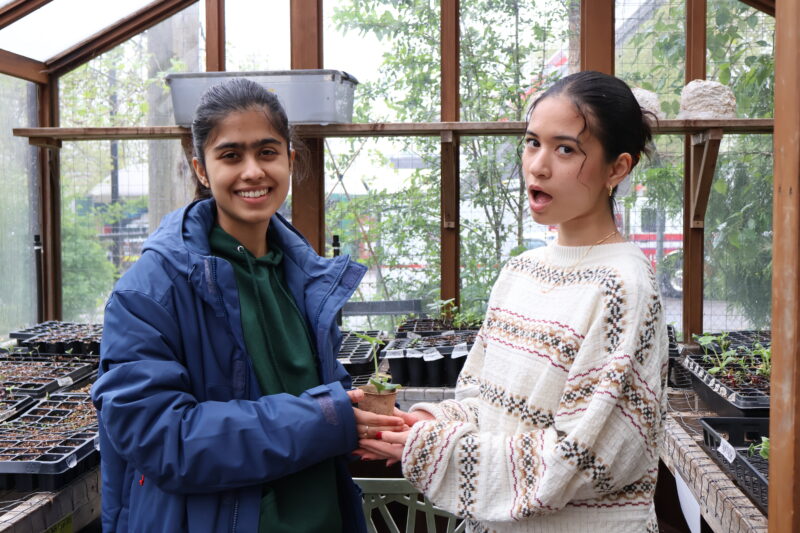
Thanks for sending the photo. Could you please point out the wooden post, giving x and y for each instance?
(308, 180)
(693, 234)
(450, 186)
(215, 35)
(50, 207)
(784, 464)
(597, 35)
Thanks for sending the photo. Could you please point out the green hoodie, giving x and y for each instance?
(279, 344)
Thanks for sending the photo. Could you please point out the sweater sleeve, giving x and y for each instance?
(602, 438)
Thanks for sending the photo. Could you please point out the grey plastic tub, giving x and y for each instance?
(308, 96)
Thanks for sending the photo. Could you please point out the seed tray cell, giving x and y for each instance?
(751, 473)
(47, 450)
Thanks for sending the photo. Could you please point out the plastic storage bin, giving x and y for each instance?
(308, 96)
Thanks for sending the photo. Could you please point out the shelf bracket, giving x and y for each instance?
(705, 149)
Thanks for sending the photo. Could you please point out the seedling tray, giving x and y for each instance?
(751, 473)
(725, 401)
(422, 327)
(355, 354)
(444, 344)
(37, 377)
(38, 329)
(677, 375)
(50, 444)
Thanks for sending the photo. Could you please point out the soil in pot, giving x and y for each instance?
(378, 403)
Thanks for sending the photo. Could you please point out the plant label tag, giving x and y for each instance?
(64, 382)
(412, 353)
(395, 354)
(460, 350)
(727, 451)
(448, 332)
(412, 335)
(432, 354)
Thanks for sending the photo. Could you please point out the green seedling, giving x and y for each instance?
(764, 368)
(380, 381)
(762, 449)
(719, 360)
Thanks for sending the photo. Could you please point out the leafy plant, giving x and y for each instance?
(719, 359)
(380, 381)
(764, 367)
(762, 448)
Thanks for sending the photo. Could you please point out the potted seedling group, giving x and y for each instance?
(380, 394)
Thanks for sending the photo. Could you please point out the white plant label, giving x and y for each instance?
(727, 451)
(460, 350)
(413, 353)
(64, 382)
(395, 354)
(412, 335)
(432, 354)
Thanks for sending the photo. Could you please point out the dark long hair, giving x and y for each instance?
(610, 112)
(219, 101)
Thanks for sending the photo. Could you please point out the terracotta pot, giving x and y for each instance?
(381, 404)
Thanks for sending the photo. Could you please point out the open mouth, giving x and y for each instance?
(538, 199)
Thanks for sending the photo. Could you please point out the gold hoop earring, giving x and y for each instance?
(610, 190)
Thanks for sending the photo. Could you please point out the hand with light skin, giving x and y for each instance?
(370, 424)
(389, 444)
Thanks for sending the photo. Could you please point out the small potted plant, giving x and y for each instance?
(379, 393)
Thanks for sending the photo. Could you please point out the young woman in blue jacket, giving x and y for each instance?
(221, 404)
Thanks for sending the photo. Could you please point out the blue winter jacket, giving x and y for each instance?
(187, 440)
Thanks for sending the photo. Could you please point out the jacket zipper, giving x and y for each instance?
(235, 514)
(325, 301)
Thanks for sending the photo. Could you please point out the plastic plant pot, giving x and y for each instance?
(416, 368)
(434, 367)
(398, 366)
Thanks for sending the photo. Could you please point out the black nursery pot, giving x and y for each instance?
(416, 371)
(434, 372)
(452, 368)
(398, 369)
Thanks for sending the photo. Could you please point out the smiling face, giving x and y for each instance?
(566, 172)
(247, 167)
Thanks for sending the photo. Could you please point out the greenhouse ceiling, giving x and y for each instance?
(102, 26)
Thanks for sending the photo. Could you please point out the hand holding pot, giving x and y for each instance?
(369, 424)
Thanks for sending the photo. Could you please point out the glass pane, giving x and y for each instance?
(741, 55)
(495, 220)
(19, 215)
(382, 200)
(248, 46)
(113, 194)
(650, 214)
(738, 243)
(510, 50)
(125, 86)
(651, 49)
(85, 18)
(392, 48)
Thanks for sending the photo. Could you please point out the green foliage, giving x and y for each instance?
(88, 274)
(739, 217)
(761, 448)
(505, 47)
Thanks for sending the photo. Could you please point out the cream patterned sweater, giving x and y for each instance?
(559, 410)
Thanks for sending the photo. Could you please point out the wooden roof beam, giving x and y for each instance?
(22, 67)
(767, 6)
(13, 11)
(115, 35)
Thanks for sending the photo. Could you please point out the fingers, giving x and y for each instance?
(372, 419)
(394, 437)
(382, 449)
(368, 431)
(356, 395)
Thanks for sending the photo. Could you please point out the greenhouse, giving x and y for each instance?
(348, 265)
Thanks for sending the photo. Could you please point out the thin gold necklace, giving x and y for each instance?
(581, 258)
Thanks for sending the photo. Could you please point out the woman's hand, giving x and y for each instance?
(370, 424)
(389, 447)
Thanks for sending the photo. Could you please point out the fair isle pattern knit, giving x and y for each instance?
(559, 410)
